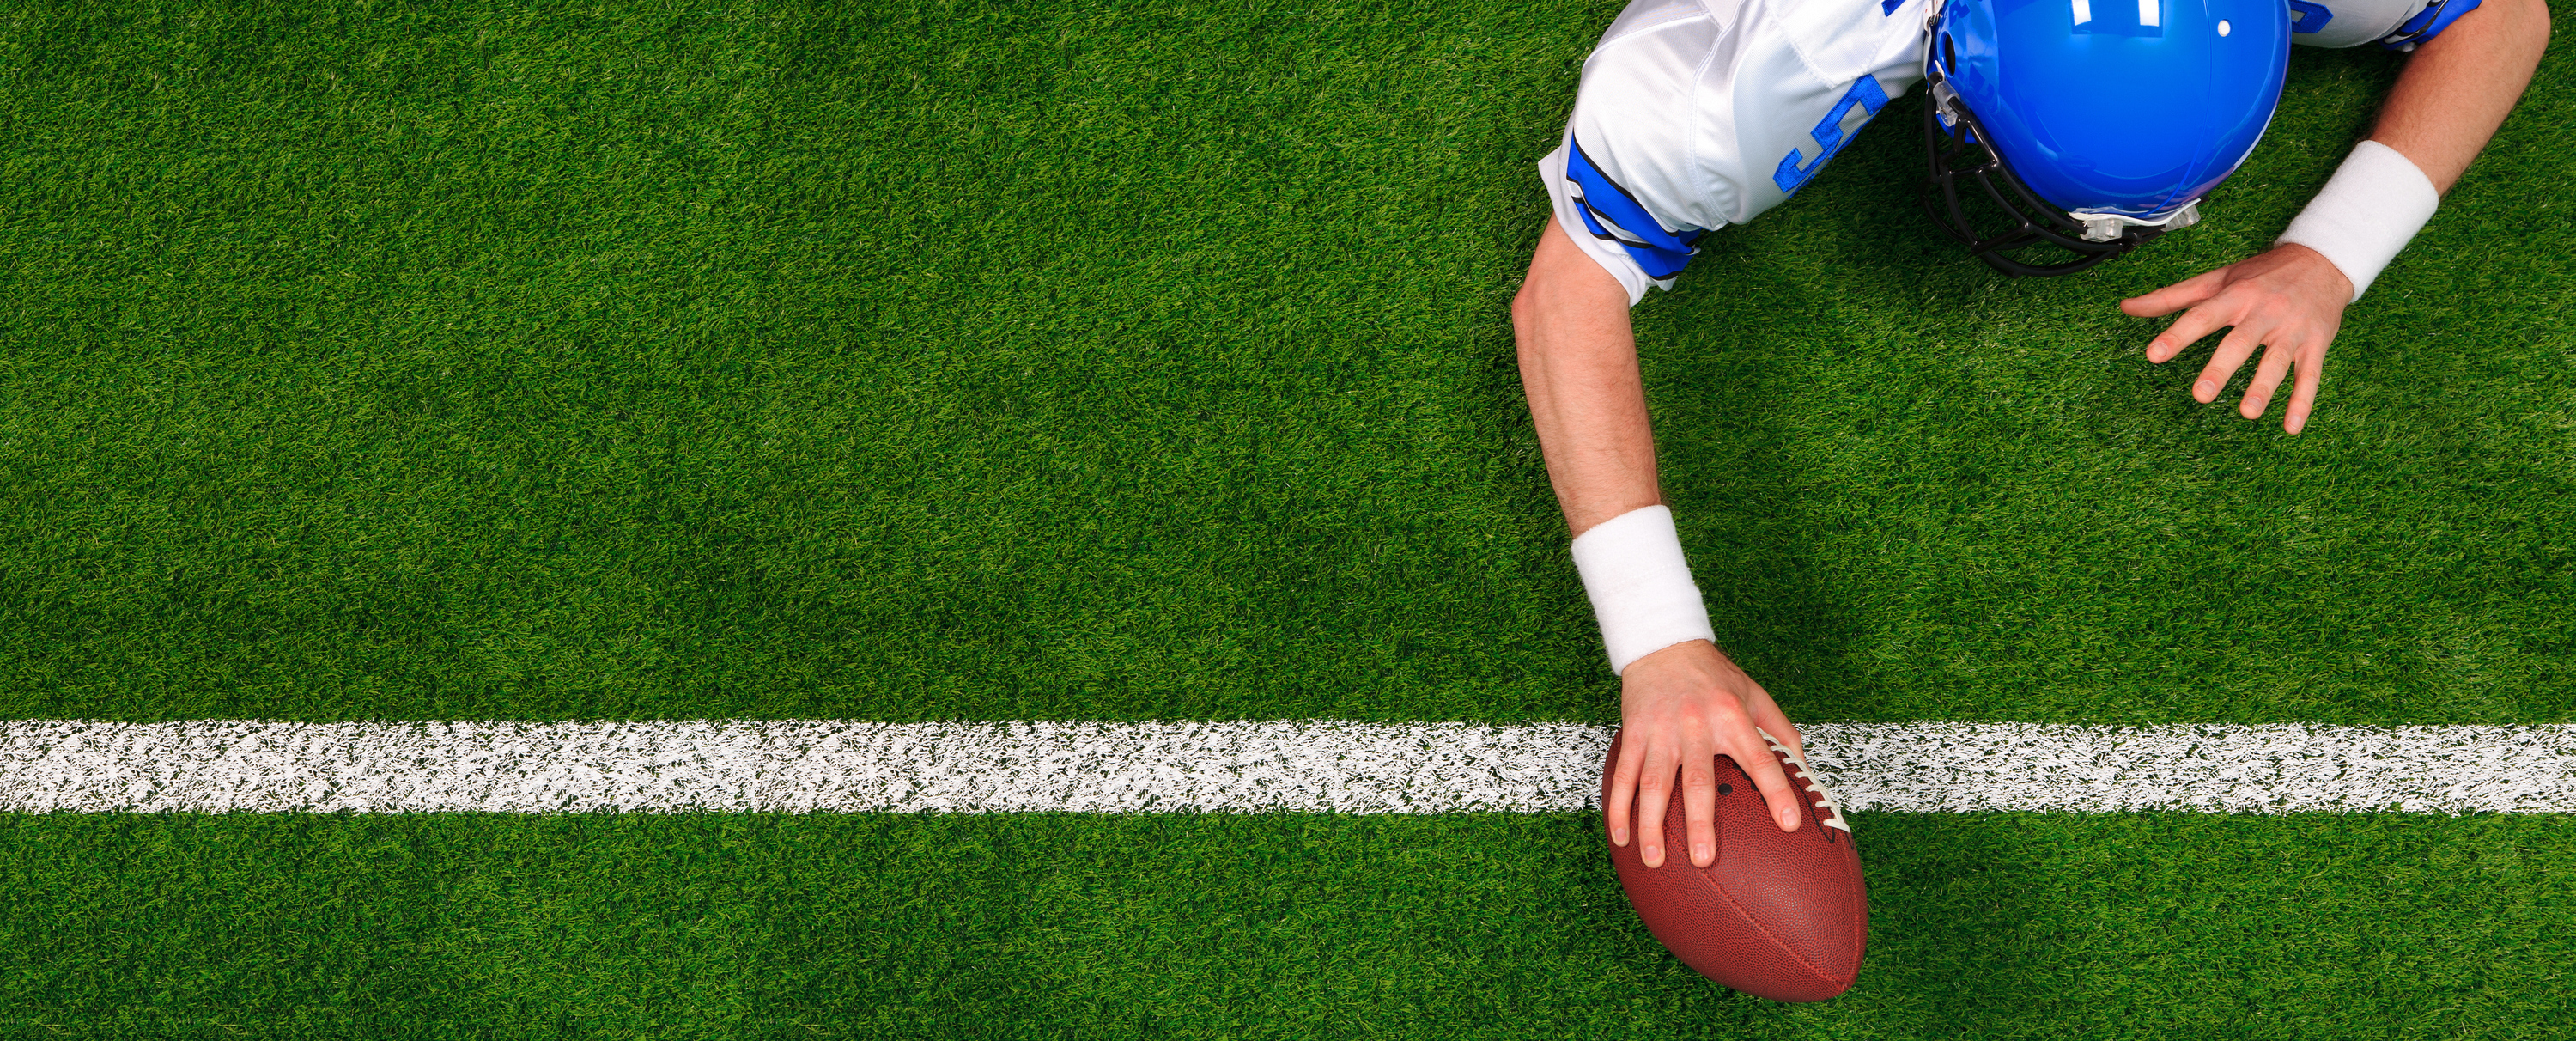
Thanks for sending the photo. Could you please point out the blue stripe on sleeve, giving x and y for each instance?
(1661, 253)
(2428, 23)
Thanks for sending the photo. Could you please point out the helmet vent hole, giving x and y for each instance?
(1949, 57)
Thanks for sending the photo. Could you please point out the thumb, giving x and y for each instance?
(2177, 296)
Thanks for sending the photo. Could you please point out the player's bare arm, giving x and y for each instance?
(2455, 90)
(1697, 114)
(1631, 186)
(1684, 704)
(2057, 138)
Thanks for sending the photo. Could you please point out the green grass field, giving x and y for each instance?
(1151, 361)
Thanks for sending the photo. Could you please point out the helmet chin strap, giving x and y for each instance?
(1959, 152)
(2104, 227)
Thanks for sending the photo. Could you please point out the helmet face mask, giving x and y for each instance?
(1959, 152)
(2091, 129)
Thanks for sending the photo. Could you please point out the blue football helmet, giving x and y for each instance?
(2095, 125)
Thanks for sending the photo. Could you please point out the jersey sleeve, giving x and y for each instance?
(1605, 219)
(2396, 25)
(1695, 115)
(1622, 179)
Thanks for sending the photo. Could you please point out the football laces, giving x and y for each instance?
(1827, 813)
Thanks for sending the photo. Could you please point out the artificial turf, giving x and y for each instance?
(1291, 926)
(1131, 361)
(1151, 360)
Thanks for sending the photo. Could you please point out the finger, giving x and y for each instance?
(1699, 797)
(2187, 330)
(1768, 719)
(2303, 395)
(1772, 781)
(2232, 352)
(2268, 374)
(2177, 296)
(1654, 793)
(1623, 789)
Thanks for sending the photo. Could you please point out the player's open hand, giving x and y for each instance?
(1680, 708)
(2288, 300)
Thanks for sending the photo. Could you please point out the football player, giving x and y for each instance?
(2088, 127)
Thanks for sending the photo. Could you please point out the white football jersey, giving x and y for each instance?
(2351, 23)
(1697, 114)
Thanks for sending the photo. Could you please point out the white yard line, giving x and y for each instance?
(1324, 766)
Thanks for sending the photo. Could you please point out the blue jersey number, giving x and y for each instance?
(1866, 93)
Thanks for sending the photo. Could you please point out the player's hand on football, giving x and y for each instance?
(2288, 300)
(1680, 708)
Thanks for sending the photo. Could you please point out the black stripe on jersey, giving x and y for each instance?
(1604, 220)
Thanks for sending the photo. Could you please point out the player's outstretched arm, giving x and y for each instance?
(1684, 704)
(2454, 92)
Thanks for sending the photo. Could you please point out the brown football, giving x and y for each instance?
(1776, 915)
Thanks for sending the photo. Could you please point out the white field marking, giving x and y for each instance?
(1324, 766)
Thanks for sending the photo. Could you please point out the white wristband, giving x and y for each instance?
(2374, 202)
(1640, 586)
